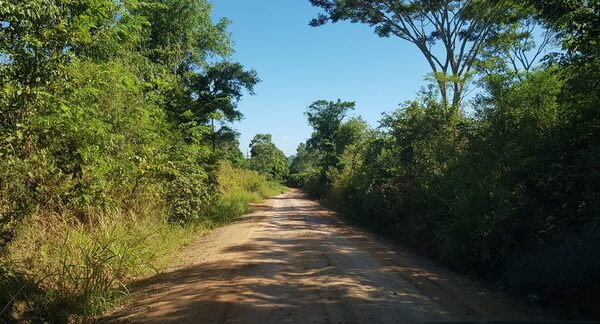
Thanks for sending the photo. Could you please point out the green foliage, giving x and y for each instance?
(238, 188)
(319, 160)
(220, 88)
(59, 267)
(304, 172)
(328, 137)
(509, 193)
(126, 134)
(108, 153)
(227, 146)
(246, 185)
(450, 34)
(181, 33)
(189, 196)
(267, 159)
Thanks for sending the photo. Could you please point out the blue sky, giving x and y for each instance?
(299, 64)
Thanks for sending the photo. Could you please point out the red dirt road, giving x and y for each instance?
(293, 261)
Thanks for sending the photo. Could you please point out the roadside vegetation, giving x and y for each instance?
(504, 184)
(115, 147)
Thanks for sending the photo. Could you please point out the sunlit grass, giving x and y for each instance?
(60, 269)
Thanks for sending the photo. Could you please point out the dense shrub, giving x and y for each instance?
(59, 266)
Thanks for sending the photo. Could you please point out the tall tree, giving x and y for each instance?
(326, 118)
(212, 95)
(220, 87)
(227, 146)
(182, 34)
(449, 33)
(516, 50)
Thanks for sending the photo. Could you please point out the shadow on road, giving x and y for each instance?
(300, 265)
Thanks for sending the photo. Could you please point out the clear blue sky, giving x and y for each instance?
(299, 64)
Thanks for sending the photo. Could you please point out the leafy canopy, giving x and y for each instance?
(267, 159)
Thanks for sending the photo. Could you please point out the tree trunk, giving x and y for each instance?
(212, 123)
(456, 97)
(443, 93)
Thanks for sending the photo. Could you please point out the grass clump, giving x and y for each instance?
(59, 266)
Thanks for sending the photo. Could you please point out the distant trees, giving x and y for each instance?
(319, 160)
(267, 159)
(305, 171)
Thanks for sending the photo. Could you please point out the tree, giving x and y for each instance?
(267, 159)
(181, 33)
(449, 33)
(261, 139)
(227, 146)
(577, 23)
(220, 88)
(326, 118)
(213, 95)
(303, 170)
(522, 52)
(38, 38)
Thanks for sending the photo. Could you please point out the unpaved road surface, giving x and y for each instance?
(293, 261)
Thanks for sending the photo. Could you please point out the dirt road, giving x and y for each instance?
(293, 261)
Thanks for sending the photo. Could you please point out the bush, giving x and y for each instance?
(189, 197)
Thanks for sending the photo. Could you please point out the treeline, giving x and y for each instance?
(114, 146)
(506, 185)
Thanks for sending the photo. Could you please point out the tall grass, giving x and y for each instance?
(60, 269)
(239, 188)
(247, 183)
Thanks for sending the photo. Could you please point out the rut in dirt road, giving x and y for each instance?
(294, 261)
